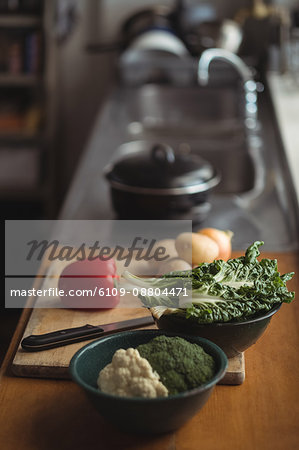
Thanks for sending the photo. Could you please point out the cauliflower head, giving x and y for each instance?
(130, 375)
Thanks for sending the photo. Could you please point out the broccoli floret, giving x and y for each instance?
(180, 364)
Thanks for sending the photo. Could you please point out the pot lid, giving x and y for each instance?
(159, 169)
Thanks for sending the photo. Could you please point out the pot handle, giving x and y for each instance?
(163, 154)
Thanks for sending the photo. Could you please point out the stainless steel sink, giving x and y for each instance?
(193, 111)
(205, 121)
(236, 167)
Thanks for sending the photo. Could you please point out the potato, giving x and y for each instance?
(196, 248)
(138, 268)
(170, 250)
(222, 239)
(149, 268)
(172, 265)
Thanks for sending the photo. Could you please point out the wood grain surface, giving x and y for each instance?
(260, 414)
(54, 363)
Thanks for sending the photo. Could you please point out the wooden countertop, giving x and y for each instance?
(261, 414)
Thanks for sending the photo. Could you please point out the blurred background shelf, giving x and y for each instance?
(25, 194)
(21, 79)
(8, 20)
(27, 153)
(21, 138)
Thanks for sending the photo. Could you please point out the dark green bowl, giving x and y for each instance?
(232, 337)
(140, 415)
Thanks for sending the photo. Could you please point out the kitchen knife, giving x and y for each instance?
(39, 342)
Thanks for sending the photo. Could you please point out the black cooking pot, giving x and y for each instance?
(153, 182)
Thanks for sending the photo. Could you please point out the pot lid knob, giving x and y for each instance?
(163, 154)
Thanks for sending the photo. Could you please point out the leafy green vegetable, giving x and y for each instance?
(238, 288)
(225, 290)
(172, 280)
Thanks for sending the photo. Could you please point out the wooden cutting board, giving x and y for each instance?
(54, 363)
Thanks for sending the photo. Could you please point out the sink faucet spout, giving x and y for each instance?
(245, 73)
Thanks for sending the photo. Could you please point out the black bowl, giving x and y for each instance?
(232, 337)
(141, 415)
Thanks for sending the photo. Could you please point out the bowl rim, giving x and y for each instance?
(192, 392)
(258, 318)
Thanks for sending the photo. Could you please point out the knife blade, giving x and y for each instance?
(59, 338)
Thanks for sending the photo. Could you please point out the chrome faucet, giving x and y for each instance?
(249, 84)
